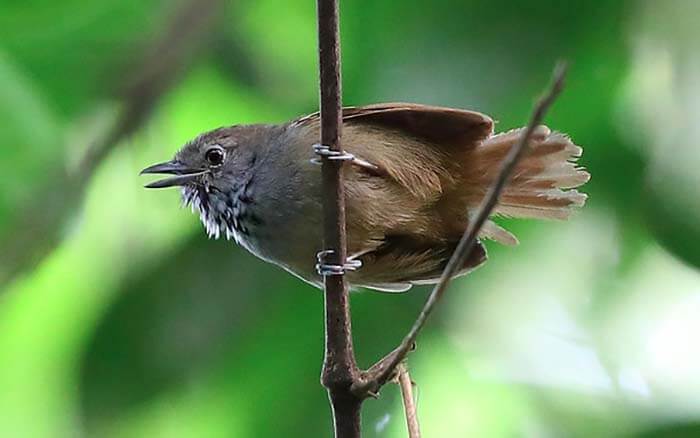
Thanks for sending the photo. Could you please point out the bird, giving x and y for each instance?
(415, 177)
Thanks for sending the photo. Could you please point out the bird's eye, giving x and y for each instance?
(215, 156)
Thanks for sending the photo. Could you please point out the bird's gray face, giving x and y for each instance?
(211, 170)
(210, 160)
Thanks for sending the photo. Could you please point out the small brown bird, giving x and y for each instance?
(419, 173)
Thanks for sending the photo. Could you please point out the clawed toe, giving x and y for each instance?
(324, 268)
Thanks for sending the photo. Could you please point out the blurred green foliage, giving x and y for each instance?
(136, 325)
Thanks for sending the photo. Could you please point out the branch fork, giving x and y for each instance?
(347, 385)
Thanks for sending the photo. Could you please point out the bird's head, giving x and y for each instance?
(211, 171)
(213, 159)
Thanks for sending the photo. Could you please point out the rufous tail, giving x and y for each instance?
(543, 183)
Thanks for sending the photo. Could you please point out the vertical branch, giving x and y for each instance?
(339, 366)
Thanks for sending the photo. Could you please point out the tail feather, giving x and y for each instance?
(542, 183)
(491, 230)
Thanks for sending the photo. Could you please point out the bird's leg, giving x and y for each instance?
(323, 268)
(351, 264)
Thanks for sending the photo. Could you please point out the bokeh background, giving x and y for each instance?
(118, 318)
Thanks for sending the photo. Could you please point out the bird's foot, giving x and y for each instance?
(325, 151)
(324, 268)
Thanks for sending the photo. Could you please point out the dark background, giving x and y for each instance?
(118, 318)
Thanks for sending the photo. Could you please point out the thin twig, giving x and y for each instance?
(374, 378)
(339, 367)
(409, 402)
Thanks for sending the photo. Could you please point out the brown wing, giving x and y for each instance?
(392, 219)
(440, 126)
(418, 146)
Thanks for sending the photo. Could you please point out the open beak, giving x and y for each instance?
(183, 174)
